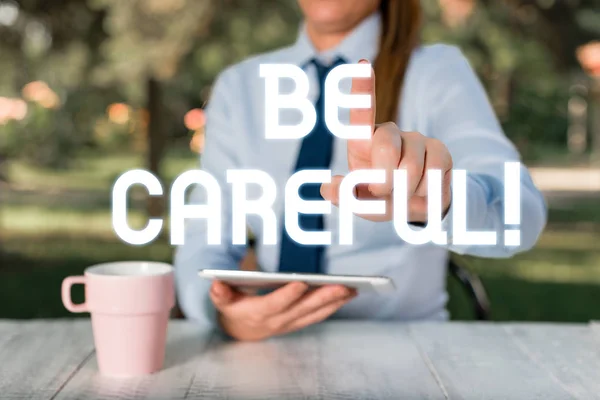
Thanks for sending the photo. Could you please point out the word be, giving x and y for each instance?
(349, 205)
(298, 99)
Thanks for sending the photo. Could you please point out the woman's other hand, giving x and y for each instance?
(287, 309)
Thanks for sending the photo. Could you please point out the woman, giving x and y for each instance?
(444, 121)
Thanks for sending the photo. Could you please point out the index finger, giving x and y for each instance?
(364, 116)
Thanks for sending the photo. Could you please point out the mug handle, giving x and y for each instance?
(66, 294)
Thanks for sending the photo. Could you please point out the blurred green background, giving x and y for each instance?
(90, 89)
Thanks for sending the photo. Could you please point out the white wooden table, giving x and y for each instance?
(55, 359)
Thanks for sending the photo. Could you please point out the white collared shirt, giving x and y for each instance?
(441, 98)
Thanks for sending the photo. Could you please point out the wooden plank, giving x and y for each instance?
(9, 329)
(570, 354)
(481, 361)
(595, 325)
(184, 349)
(336, 360)
(40, 356)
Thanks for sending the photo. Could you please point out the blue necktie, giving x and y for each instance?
(315, 153)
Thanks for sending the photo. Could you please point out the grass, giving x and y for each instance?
(93, 171)
(559, 280)
(55, 223)
(35, 267)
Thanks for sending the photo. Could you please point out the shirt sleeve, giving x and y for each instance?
(195, 254)
(461, 116)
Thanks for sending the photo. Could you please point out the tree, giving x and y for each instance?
(524, 51)
(156, 45)
(147, 40)
(56, 44)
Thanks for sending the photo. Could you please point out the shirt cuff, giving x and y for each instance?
(477, 203)
(478, 195)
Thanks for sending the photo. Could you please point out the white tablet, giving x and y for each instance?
(270, 280)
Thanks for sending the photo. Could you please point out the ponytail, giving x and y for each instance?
(401, 23)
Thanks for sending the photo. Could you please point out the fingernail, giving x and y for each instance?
(218, 290)
(363, 61)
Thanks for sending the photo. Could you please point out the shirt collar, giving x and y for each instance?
(362, 42)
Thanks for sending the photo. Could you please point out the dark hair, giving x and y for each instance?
(401, 24)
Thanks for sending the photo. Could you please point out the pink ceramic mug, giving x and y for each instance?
(129, 303)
